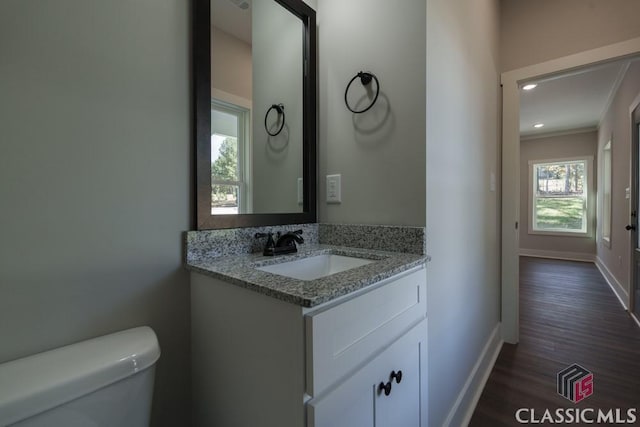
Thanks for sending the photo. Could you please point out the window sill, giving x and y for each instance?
(560, 233)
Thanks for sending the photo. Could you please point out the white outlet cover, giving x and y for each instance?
(334, 188)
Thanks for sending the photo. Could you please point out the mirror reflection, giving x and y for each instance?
(256, 108)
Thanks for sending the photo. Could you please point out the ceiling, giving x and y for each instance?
(231, 18)
(572, 101)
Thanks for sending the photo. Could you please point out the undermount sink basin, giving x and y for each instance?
(316, 267)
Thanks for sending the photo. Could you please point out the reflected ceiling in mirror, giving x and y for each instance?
(257, 163)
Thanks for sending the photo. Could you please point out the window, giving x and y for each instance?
(559, 202)
(229, 158)
(606, 194)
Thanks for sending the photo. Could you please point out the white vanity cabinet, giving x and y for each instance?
(361, 400)
(260, 361)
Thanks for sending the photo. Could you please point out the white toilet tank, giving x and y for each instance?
(105, 381)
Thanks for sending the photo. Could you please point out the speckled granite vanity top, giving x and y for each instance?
(241, 268)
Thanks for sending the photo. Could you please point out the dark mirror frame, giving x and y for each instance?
(201, 44)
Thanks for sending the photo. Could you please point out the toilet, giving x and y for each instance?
(105, 381)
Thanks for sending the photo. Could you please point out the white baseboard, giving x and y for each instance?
(569, 256)
(616, 287)
(462, 410)
(633, 316)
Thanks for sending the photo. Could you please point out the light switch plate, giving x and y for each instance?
(300, 195)
(334, 190)
(492, 181)
(627, 193)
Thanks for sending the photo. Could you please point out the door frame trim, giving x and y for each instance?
(633, 184)
(511, 81)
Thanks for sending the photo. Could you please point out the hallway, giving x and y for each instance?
(568, 314)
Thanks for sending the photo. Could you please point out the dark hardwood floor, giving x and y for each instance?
(568, 314)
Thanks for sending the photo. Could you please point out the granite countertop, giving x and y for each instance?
(241, 270)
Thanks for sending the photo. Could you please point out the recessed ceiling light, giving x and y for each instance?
(538, 125)
(529, 86)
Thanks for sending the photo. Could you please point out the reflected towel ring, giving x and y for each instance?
(365, 79)
(280, 110)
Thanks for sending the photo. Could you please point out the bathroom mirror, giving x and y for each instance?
(255, 114)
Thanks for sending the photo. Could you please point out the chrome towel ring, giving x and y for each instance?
(365, 79)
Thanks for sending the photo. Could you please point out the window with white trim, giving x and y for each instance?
(606, 193)
(229, 147)
(559, 196)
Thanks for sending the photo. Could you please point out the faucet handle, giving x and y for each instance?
(269, 246)
(270, 243)
(279, 234)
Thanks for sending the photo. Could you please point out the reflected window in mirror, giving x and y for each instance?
(230, 159)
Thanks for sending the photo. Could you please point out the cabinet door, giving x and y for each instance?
(342, 337)
(350, 404)
(402, 406)
(359, 401)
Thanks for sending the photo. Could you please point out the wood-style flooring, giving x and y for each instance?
(568, 314)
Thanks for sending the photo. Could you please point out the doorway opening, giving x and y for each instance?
(512, 82)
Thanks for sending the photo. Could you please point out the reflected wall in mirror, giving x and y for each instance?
(256, 155)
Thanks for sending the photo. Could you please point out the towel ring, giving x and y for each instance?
(365, 79)
(280, 110)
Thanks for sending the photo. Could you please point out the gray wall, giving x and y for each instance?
(557, 147)
(616, 125)
(537, 31)
(463, 93)
(380, 153)
(94, 179)
(231, 64)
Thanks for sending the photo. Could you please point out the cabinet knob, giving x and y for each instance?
(397, 376)
(385, 387)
